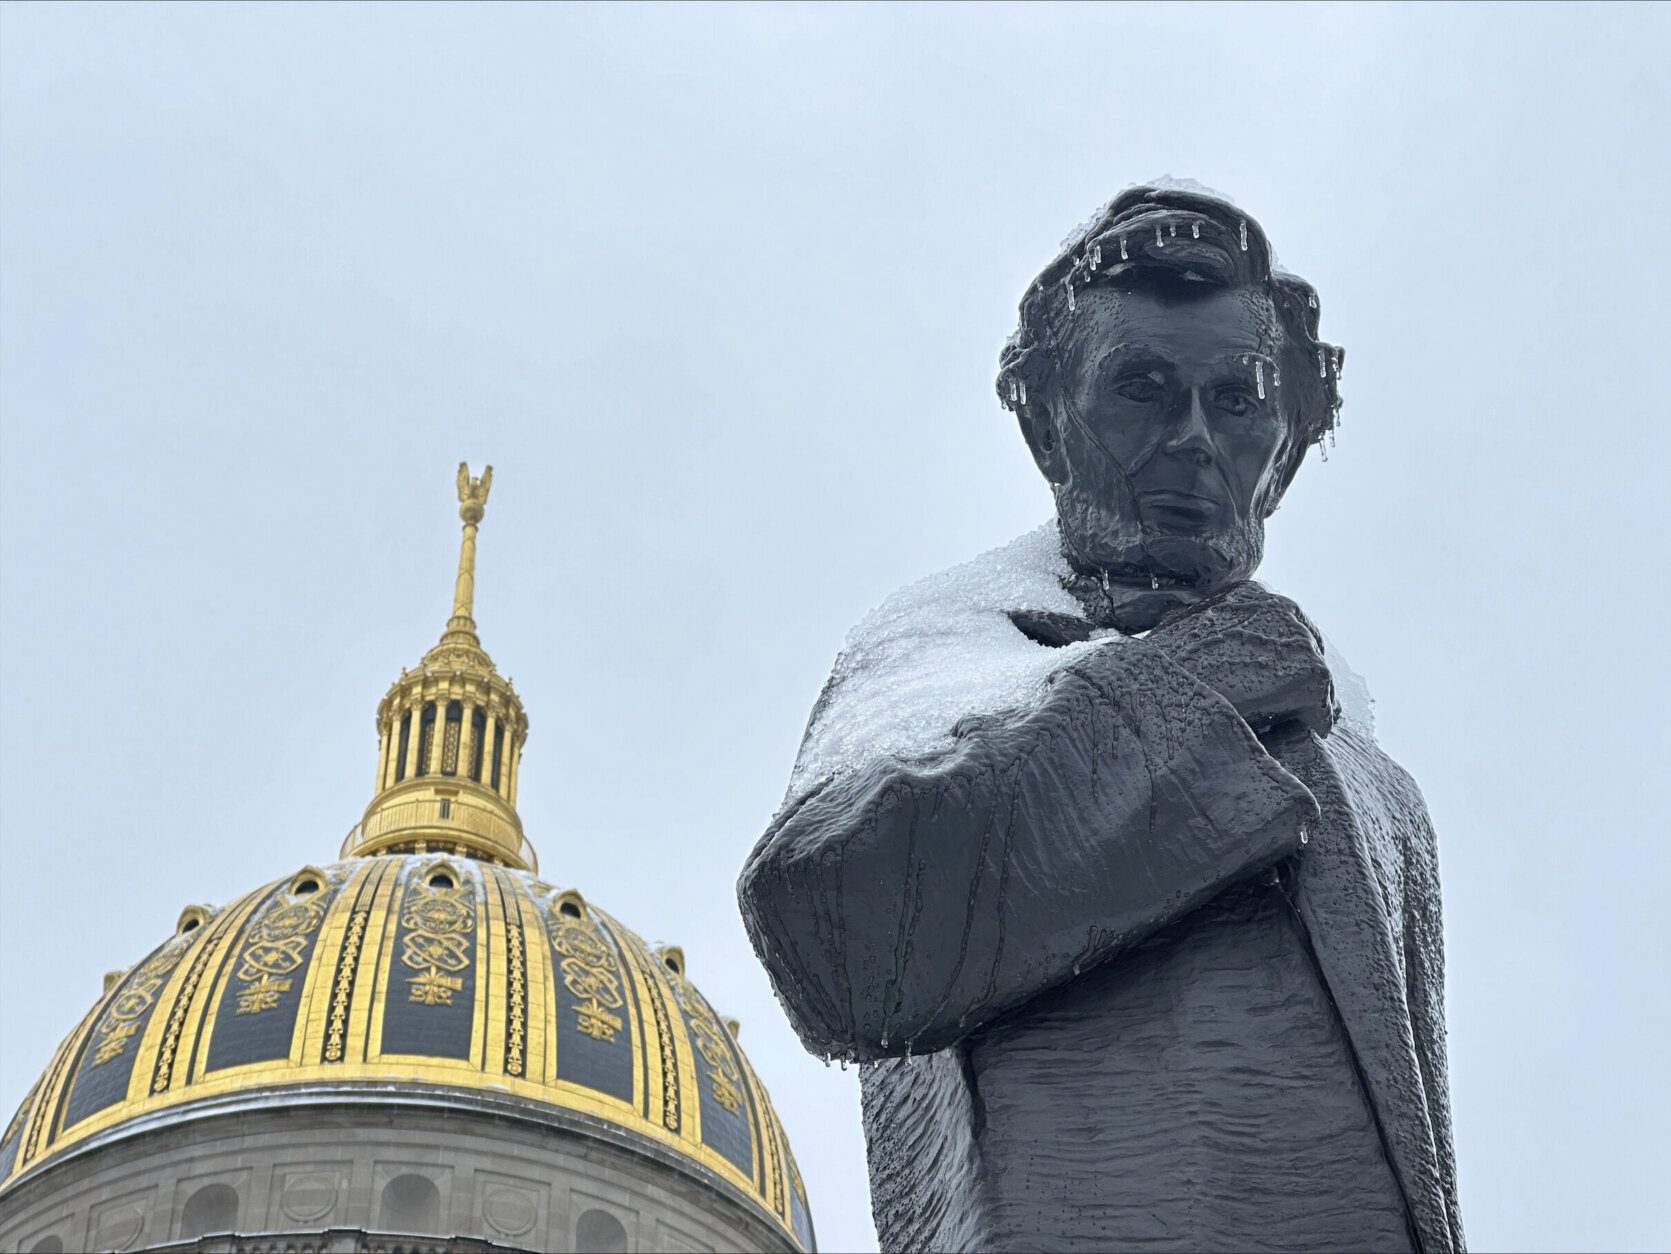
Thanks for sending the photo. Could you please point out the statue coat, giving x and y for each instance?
(937, 910)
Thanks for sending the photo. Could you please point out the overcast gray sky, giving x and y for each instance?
(719, 293)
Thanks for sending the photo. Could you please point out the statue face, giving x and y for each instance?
(1163, 440)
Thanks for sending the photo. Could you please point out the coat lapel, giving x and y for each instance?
(1356, 934)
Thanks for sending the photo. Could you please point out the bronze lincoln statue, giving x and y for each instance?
(1132, 926)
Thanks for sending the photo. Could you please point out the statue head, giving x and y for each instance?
(1168, 383)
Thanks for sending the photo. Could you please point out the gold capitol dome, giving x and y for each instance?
(432, 958)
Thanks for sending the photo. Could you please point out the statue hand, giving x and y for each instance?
(1259, 652)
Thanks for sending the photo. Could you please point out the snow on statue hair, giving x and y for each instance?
(1168, 234)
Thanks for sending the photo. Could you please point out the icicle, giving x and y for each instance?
(1023, 391)
(1071, 305)
(1154, 582)
(844, 1064)
(1244, 237)
(1122, 248)
(1105, 583)
(1323, 449)
(1322, 367)
(1173, 230)
(1339, 361)
(1276, 375)
(1015, 392)
(1259, 378)
(1195, 229)
(1159, 242)
(1312, 300)
(1096, 256)
(1304, 835)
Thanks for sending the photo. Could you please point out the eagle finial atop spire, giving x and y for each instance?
(472, 504)
(472, 493)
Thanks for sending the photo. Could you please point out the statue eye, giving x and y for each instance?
(1142, 389)
(1238, 402)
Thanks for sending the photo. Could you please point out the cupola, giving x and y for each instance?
(450, 735)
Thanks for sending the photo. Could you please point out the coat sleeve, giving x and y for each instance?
(899, 906)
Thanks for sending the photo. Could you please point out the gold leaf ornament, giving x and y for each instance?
(589, 972)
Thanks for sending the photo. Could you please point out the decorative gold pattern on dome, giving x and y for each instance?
(664, 1038)
(516, 1029)
(344, 985)
(436, 946)
(177, 1018)
(419, 960)
(525, 1035)
(277, 946)
(121, 1020)
(710, 1042)
(588, 967)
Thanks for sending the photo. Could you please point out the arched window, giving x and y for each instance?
(599, 1232)
(48, 1245)
(411, 1203)
(426, 738)
(405, 740)
(498, 752)
(451, 737)
(213, 1208)
(478, 733)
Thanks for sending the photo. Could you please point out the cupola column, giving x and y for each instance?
(409, 739)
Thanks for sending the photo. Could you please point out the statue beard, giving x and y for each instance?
(1104, 533)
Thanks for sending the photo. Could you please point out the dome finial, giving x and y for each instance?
(472, 504)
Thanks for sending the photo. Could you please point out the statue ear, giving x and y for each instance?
(1271, 494)
(1041, 428)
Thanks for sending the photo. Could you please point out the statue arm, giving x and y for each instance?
(903, 905)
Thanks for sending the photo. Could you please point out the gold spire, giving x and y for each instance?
(450, 737)
(472, 504)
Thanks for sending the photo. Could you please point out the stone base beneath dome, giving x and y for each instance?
(331, 1241)
(334, 1170)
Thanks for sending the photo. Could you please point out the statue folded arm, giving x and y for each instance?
(1041, 843)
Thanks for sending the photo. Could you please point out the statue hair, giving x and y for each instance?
(1155, 236)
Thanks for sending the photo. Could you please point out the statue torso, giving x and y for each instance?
(1193, 1094)
(1196, 1093)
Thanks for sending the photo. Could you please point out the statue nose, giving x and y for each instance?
(1190, 436)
